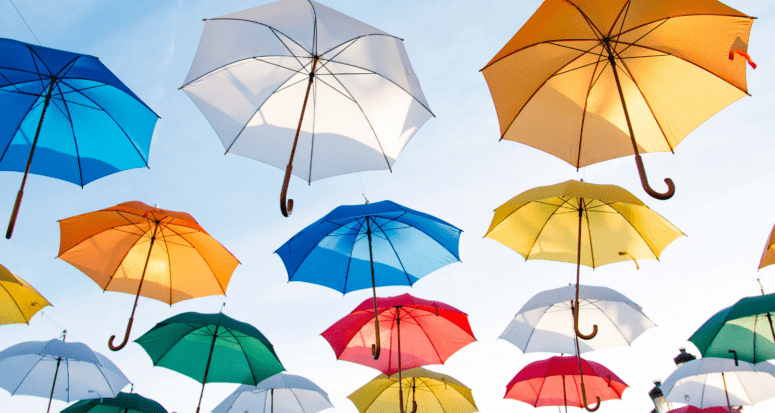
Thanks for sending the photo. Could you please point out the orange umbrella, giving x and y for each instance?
(768, 256)
(138, 249)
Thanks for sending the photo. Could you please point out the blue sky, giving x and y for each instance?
(453, 168)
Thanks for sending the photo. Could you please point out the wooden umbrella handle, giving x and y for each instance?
(126, 336)
(645, 182)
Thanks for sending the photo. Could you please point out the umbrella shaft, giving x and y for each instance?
(400, 382)
(56, 372)
(207, 368)
(726, 392)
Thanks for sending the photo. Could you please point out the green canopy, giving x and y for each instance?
(744, 331)
(123, 403)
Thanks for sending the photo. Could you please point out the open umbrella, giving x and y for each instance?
(432, 331)
(545, 322)
(692, 409)
(589, 81)
(355, 247)
(137, 249)
(122, 403)
(77, 119)
(768, 256)
(557, 382)
(290, 393)
(431, 393)
(59, 370)
(211, 348)
(18, 300)
(255, 69)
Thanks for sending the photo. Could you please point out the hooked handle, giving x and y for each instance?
(627, 254)
(645, 182)
(576, 326)
(376, 348)
(286, 205)
(734, 353)
(126, 337)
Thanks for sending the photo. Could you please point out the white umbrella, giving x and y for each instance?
(710, 381)
(59, 370)
(281, 393)
(545, 322)
(256, 69)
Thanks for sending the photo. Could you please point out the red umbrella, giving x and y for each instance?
(431, 332)
(556, 382)
(692, 409)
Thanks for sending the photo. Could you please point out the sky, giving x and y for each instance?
(454, 168)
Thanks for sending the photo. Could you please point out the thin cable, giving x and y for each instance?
(25, 22)
(362, 188)
(141, 188)
(43, 312)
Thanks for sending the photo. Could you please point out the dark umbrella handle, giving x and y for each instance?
(576, 325)
(126, 337)
(12, 222)
(376, 348)
(645, 182)
(286, 205)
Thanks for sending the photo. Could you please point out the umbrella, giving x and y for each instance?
(59, 370)
(768, 256)
(743, 331)
(255, 69)
(18, 300)
(692, 409)
(591, 81)
(545, 322)
(116, 247)
(431, 393)
(192, 343)
(355, 247)
(122, 403)
(711, 381)
(432, 332)
(290, 393)
(557, 382)
(581, 223)
(72, 113)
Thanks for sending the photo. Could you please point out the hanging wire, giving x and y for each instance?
(150, 202)
(25, 22)
(64, 330)
(363, 189)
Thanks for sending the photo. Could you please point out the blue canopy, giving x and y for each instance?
(93, 126)
(334, 251)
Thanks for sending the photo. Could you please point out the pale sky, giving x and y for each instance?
(454, 168)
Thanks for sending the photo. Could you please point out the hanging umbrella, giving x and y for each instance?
(692, 409)
(545, 322)
(18, 300)
(122, 403)
(288, 392)
(743, 331)
(256, 69)
(432, 332)
(431, 393)
(591, 81)
(711, 381)
(557, 382)
(768, 256)
(117, 248)
(211, 348)
(355, 247)
(71, 113)
(59, 370)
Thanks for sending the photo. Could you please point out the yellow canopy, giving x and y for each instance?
(18, 300)
(768, 256)
(543, 223)
(433, 392)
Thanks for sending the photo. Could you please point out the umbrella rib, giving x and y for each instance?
(164, 354)
(640, 38)
(314, 27)
(250, 366)
(26, 375)
(589, 21)
(625, 9)
(589, 231)
(169, 260)
(638, 232)
(530, 337)
(685, 15)
(67, 369)
(392, 328)
(72, 128)
(546, 222)
(27, 320)
(360, 37)
(612, 321)
(114, 393)
(406, 274)
(348, 96)
(550, 42)
(349, 261)
(330, 59)
(260, 59)
(312, 139)
(427, 336)
(126, 254)
(32, 106)
(586, 103)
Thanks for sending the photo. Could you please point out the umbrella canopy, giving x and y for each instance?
(18, 300)
(545, 322)
(743, 331)
(256, 69)
(122, 403)
(77, 118)
(211, 348)
(287, 393)
(556, 382)
(59, 370)
(355, 247)
(431, 393)
(710, 381)
(137, 249)
(768, 256)
(692, 409)
(589, 81)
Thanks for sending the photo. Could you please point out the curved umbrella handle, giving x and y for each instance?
(414, 406)
(376, 348)
(645, 182)
(126, 337)
(576, 325)
(286, 205)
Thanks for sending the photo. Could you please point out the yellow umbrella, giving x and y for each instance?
(431, 393)
(18, 300)
(137, 249)
(592, 80)
(768, 256)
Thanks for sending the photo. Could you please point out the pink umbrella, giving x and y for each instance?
(692, 409)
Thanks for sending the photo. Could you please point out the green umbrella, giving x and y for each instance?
(123, 403)
(743, 331)
(211, 348)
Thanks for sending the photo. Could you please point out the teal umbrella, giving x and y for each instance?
(211, 348)
(123, 403)
(743, 331)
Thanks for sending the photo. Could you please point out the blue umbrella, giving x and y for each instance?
(356, 247)
(70, 111)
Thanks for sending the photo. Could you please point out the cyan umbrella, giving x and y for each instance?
(122, 403)
(356, 247)
(71, 114)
